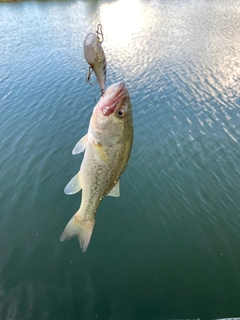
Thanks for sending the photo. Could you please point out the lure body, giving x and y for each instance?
(95, 57)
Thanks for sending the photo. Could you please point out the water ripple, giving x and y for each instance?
(179, 202)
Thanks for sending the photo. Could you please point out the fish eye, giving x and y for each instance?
(120, 113)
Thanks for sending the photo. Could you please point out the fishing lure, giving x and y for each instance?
(95, 57)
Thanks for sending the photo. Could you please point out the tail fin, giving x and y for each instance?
(81, 228)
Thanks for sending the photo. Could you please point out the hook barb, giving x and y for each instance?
(88, 78)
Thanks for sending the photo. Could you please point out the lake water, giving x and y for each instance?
(169, 247)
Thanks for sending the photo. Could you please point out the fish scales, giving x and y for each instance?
(107, 148)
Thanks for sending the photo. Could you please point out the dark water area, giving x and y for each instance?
(169, 247)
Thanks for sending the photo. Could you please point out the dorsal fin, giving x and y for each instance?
(115, 192)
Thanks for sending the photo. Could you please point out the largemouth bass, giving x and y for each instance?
(94, 55)
(107, 148)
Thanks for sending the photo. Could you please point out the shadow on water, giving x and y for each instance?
(42, 284)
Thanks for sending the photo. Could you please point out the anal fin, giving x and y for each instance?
(73, 185)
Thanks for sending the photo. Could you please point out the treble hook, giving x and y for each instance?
(102, 93)
(99, 32)
(88, 79)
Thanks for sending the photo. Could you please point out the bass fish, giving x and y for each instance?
(94, 55)
(107, 146)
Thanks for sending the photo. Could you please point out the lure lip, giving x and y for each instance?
(90, 40)
(112, 97)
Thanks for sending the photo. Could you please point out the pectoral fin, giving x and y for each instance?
(73, 185)
(115, 192)
(80, 146)
(100, 153)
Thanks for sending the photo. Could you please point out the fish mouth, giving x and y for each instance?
(112, 97)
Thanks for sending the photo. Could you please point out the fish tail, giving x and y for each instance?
(80, 228)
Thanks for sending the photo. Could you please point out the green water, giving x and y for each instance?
(169, 247)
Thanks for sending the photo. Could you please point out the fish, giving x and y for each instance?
(94, 55)
(107, 147)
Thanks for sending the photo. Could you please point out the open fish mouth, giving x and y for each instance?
(112, 97)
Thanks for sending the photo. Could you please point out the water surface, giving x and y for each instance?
(169, 247)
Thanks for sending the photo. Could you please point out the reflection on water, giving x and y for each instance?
(169, 246)
(122, 25)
